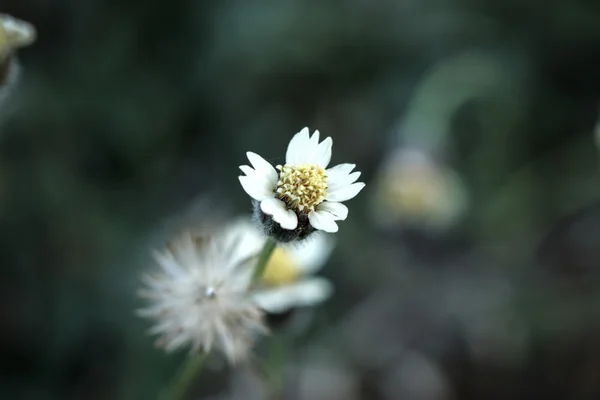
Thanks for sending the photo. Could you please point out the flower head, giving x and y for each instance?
(287, 280)
(301, 196)
(200, 296)
(415, 189)
(14, 33)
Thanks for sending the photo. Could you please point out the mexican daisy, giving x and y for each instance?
(301, 196)
(288, 280)
(414, 189)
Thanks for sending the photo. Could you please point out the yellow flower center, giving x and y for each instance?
(280, 270)
(302, 187)
(415, 196)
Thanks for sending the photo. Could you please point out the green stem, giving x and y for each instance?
(263, 259)
(185, 377)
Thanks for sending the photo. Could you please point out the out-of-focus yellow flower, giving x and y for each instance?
(288, 280)
(281, 269)
(413, 189)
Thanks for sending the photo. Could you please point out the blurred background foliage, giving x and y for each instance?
(133, 116)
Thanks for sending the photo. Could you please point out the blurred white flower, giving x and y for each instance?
(414, 189)
(200, 296)
(287, 280)
(14, 33)
(302, 194)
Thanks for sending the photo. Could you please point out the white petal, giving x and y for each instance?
(257, 176)
(314, 139)
(345, 192)
(263, 167)
(254, 174)
(258, 189)
(322, 154)
(249, 171)
(311, 254)
(322, 220)
(338, 210)
(338, 172)
(310, 153)
(306, 293)
(278, 210)
(297, 147)
(342, 180)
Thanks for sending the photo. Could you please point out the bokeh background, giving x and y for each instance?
(132, 117)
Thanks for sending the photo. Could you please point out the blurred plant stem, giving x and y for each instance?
(263, 259)
(275, 353)
(185, 377)
(274, 366)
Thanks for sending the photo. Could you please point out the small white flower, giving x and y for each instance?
(287, 280)
(302, 193)
(14, 33)
(200, 296)
(412, 188)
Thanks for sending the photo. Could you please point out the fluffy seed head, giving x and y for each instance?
(200, 297)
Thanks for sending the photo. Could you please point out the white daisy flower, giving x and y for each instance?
(287, 280)
(301, 195)
(414, 189)
(200, 296)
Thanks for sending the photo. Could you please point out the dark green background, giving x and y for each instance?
(130, 112)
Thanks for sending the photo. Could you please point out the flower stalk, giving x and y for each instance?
(263, 259)
(185, 378)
